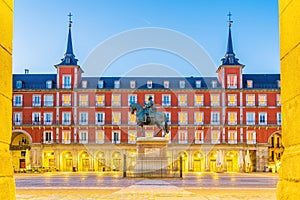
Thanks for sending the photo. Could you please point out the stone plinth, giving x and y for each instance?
(152, 157)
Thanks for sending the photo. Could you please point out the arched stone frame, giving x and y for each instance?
(23, 132)
(116, 161)
(198, 161)
(83, 161)
(67, 161)
(100, 161)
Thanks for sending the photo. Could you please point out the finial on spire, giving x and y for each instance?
(70, 19)
(229, 19)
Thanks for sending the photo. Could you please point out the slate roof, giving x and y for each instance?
(262, 81)
(34, 81)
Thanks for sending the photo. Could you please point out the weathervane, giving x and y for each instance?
(229, 19)
(70, 19)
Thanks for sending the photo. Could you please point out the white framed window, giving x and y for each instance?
(166, 84)
(116, 137)
(116, 118)
(48, 137)
(199, 100)
(132, 84)
(215, 100)
(18, 100)
(36, 118)
(199, 137)
(166, 100)
(117, 84)
(249, 84)
(278, 83)
(232, 81)
(250, 99)
(83, 137)
(66, 81)
(262, 118)
(131, 118)
(17, 118)
(36, 100)
(232, 100)
(100, 100)
(19, 84)
(232, 137)
(250, 118)
(84, 84)
(49, 84)
(182, 118)
(182, 137)
(83, 100)
(199, 118)
(198, 84)
(116, 100)
(181, 84)
(262, 99)
(168, 117)
(66, 137)
(66, 118)
(132, 98)
(66, 100)
(279, 118)
(278, 99)
(215, 118)
(232, 118)
(48, 100)
(214, 84)
(251, 137)
(215, 137)
(149, 84)
(83, 118)
(182, 100)
(100, 84)
(48, 119)
(132, 136)
(99, 136)
(100, 118)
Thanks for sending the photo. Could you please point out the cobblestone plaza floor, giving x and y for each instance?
(149, 188)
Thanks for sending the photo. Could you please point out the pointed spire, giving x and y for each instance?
(229, 58)
(69, 58)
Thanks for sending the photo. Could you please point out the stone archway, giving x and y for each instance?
(66, 161)
(100, 161)
(20, 150)
(275, 151)
(185, 159)
(199, 162)
(231, 160)
(116, 161)
(83, 161)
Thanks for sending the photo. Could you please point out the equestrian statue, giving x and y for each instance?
(147, 115)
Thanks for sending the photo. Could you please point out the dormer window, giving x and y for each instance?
(182, 84)
(48, 84)
(68, 60)
(198, 84)
(100, 84)
(84, 84)
(132, 84)
(19, 84)
(149, 84)
(249, 84)
(117, 84)
(166, 84)
(214, 84)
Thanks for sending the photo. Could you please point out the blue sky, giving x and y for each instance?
(40, 31)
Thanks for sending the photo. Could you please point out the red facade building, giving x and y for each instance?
(65, 121)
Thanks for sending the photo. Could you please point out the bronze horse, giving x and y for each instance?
(159, 119)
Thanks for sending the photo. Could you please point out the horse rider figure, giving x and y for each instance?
(149, 108)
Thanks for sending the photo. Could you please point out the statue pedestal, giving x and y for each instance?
(152, 160)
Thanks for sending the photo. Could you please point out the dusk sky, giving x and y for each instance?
(41, 27)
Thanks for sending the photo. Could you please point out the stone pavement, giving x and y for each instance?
(146, 190)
